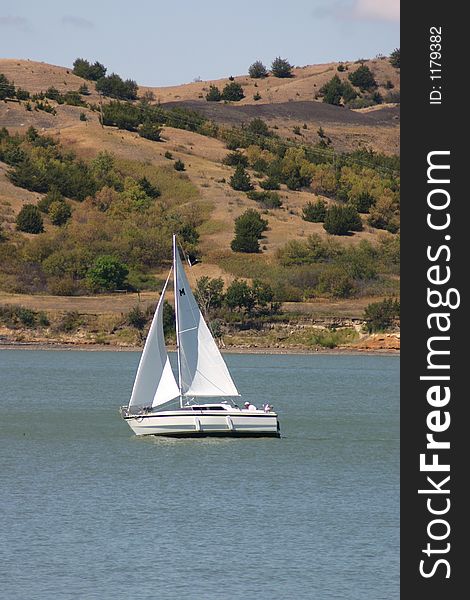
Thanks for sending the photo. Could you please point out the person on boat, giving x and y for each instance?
(267, 407)
(249, 406)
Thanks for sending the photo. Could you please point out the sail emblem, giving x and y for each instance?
(182, 292)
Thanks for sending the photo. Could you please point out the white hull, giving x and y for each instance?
(192, 423)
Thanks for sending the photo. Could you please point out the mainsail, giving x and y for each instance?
(202, 370)
(155, 383)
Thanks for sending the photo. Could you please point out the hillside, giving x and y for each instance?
(204, 185)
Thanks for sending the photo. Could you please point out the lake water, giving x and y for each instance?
(89, 511)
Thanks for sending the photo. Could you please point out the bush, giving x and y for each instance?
(151, 190)
(136, 318)
(240, 180)
(150, 131)
(29, 219)
(363, 202)
(83, 117)
(257, 70)
(340, 220)
(336, 282)
(256, 96)
(168, 155)
(315, 212)
(60, 213)
(249, 227)
(22, 94)
(179, 165)
(107, 273)
(395, 58)
(363, 78)
(271, 183)
(379, 316)
(233, 159)
(258, 127)
(336, 90)
(213, 95)
(280, 67)
(233, 91)
(266, 199)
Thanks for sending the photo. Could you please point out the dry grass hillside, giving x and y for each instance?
(284, 104)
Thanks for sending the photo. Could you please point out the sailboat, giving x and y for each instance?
(202, 400)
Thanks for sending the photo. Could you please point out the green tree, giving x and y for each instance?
(258, 127)
(106, 274)
(150, 131)
(136, 318)
(340, 220)
(7, 88)
(213, 95)
(280, 67)
(315, 212)
(257, 70)
(363, 78)
(239, 295)
(60, 213)
(395, 58)
(233, 91)
(151, 190)
(249, 227)
(114, 87)
(379, 316)
(240, 180)
(332, 91)
(29, 219)
(179, 165)
(53, 195)
(232, 159)
(209, 293)
(93, 72)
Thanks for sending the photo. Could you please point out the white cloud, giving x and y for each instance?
(380, 10)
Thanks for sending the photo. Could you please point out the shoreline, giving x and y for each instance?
(232, 350)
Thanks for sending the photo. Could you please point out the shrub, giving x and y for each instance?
(213, 95)
(83, 90)
(258, 127)
(151, 190)
(280, 67)
(315, 212)
(233, 91)
(271, 183)
(379, 316)
(136, 318)
(256, 96)
(249, 227)
(395, 58)
(168, 155)
(179, 165)
(340, 220)
(22, 94)
(363, 202)
(60, 213)
(106, 273)
(29, 219)
(83, 117)
(209, 293)
(233, 159)
(266, 199)
(150, 131)
(337, 282)
(240, 180)
(257, 70)
(363, 78)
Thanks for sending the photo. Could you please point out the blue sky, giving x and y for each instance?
(168, 43)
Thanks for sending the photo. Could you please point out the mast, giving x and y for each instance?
(178, 345)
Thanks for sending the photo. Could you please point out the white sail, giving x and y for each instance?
(202, 369)
(154, 383)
